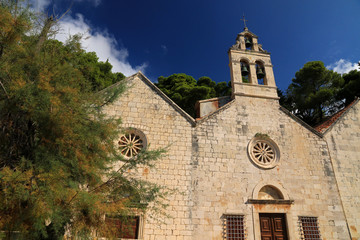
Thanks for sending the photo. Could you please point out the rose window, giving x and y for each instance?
(131, 143)
(263, 152)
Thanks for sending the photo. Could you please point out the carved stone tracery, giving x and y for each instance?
(263, 152)
(132, 142)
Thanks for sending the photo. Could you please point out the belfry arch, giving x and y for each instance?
(248, 42)
(260, 72)
(245, 71)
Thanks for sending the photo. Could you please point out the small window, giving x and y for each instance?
(309, 228)
(233, 227)
(121, 227)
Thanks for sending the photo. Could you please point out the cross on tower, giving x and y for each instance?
(244, 20)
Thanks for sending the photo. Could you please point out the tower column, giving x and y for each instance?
(255, 45)
(242, 42)
(269, 75)
(253, 77)
(235, 70)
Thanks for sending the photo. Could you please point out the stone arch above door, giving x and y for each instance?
(271, 200)
(270, 190)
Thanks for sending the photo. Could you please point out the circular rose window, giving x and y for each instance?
(264, 152)
(132, 142)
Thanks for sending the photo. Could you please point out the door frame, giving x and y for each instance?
(271, 208)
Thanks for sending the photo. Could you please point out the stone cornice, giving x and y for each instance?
(255, 96)
(252, 52)
(255, 85)
(270, 201)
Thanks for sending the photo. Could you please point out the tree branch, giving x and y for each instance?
(3, 87)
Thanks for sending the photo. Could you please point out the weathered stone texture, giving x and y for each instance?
(224, 178)
(344, 140)
(207, 163)
(209, 166)
(143, 108)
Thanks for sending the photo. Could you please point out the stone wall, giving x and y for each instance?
(143, 108)
(207, 163)
(344, 140)
(224, 178)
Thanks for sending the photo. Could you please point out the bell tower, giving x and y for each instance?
(251, 69)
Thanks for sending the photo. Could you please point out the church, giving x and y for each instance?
(245, 168)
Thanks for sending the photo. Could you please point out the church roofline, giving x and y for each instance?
(246, 31)
(301, 122)
(150, 84)
(325, 126)
(165, 97)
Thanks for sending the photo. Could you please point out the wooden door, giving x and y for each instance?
(123, 228)
(273, 226)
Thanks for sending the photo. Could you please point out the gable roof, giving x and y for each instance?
(142, 77)
(246, 31)
(319, 130)
(327, 124)
(301, 122)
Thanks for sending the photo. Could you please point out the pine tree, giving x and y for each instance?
(312, 93)
(58, 151)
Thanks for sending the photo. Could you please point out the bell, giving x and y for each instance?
(244, 71)
(259, 73)
(248, 43)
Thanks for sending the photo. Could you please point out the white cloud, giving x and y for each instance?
(41, 5)
(95, 2)
(343, 66)
(101, 42)
(104, 44)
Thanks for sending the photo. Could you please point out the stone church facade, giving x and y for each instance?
(246, 168)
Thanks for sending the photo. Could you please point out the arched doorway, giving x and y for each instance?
(271, 209)
(272, 225)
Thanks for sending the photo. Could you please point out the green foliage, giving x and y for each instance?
(351, 86)
(312, 93)
(98, 73)
(262, 135)
(59, 164)
(317, 92)
(185, 91)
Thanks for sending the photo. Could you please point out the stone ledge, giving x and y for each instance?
(256, 96)
(269, 201)
(255, 85)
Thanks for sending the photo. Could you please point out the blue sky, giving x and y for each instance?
(162, 37)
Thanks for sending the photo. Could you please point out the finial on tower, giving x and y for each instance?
(245, 28)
